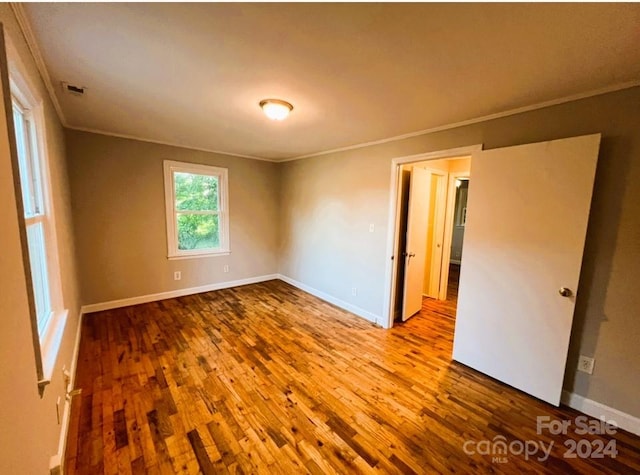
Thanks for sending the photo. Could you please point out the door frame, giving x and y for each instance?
(439, 221)
(393, 234)
(413, 217)
(448, 230)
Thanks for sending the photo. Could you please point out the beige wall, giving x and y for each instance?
(119, 215)
(433, 195)
(328, 201)
(309, 219)
(29, 430)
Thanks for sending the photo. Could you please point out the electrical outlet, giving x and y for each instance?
(371, 227)
(177, 275)
(225, 268)
(585, 364)
(354, 291)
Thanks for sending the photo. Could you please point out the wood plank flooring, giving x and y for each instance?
(268, 379)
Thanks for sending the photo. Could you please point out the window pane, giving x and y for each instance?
(34, 164)
(38, 261)
(198, 231)
(196, 192)
(26, 171)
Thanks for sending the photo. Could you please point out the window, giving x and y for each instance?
(197, 209)
(46, 306)
(35, 216)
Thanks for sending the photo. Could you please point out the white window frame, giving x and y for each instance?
(35, 209)
(172, 167)
(48, 335)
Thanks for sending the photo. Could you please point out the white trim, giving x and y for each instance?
(454, 125)
(392, 233)
(222, 174)
(27, 31)
(396, 178)
(31, 100)
(448, 229)
(598, 410)
(34, 49)
(450, 154)
(439, 221)
(199, 255)
(360, 312)
(57, 461)
(97, 307)
(170, 144)
(50, 341)
(580, 403)
(476, 120)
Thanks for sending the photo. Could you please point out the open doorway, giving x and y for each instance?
(457, 237)
(518, 279)
(430, 222)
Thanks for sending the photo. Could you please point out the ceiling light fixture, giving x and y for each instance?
(276, 109)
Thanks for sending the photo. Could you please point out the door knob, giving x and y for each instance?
(565, 292)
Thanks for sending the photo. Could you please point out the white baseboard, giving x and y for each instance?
(372, 317)
(598, 410)
(97, 307)
(56, 464)
(580, 403)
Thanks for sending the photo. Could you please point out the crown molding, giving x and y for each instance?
(32, 44)
(170, 144)
(440, 128)
(30, 39)
(454, 125)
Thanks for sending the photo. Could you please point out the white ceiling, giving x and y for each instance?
(193, 74)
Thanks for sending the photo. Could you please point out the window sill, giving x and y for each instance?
(50, 345)
(199, 255)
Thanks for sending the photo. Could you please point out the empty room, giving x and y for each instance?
(291, 238)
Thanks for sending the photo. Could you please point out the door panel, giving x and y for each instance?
(526, 224)
(437, 209)
(417, 225)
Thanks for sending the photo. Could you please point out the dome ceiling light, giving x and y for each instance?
(276, 109)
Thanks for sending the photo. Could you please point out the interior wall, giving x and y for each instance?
(120, 222)
(457, 237)
(433, 193)
(328, 205)
(30, 431)
(329, 200)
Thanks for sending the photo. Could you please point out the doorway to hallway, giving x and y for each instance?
(432, 211)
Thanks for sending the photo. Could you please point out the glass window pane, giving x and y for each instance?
(26, 179)
(38, 261)
(195, 192)
(198, 231)
(34, 165)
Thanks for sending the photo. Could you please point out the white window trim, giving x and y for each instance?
(50, 338)
(170, 167)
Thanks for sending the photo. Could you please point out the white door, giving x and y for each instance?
(437, 214)
(526, 223)
(415, 252)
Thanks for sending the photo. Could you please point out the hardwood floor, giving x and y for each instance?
(268, 379)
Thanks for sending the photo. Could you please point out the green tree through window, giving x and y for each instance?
(196, 198)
